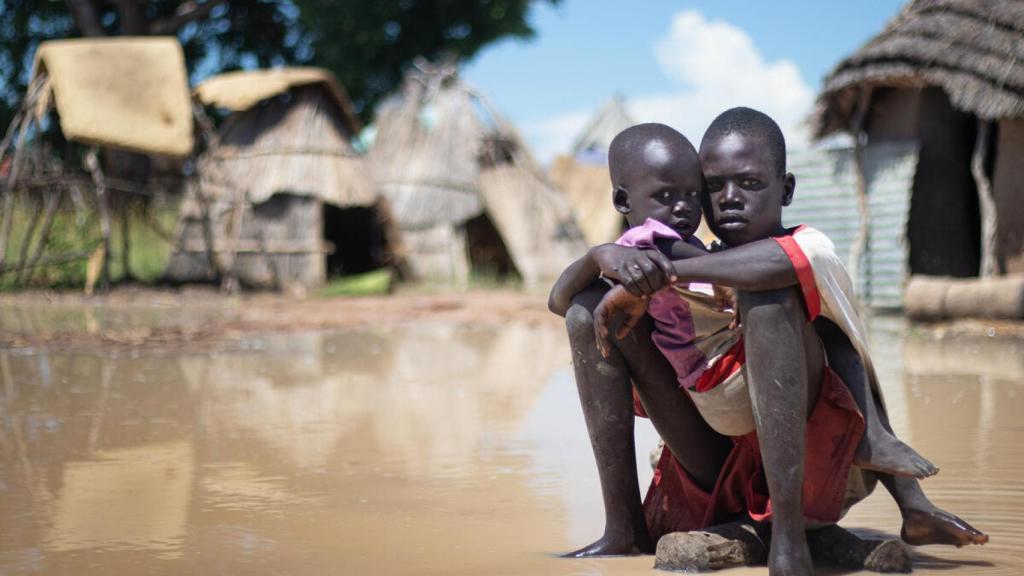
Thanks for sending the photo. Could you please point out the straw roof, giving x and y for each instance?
(972, 49)
(298, 145)
(128, 93)
(442, 155)
(241, 90)
(589, 190)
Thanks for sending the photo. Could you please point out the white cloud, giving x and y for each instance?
(553, 136)
(716, 66)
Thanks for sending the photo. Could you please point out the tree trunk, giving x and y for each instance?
(86, 19)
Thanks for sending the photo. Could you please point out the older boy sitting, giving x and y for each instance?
(793, 294)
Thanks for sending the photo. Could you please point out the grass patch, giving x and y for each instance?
(75, 231)
(372, 283)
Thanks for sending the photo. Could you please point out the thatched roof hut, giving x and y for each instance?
(965, 47)
(463, 186)
(283, 198)
(126, 102)
(583, 173)
(125, 93)
(940, 79)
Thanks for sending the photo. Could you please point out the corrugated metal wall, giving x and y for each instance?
(826, 199)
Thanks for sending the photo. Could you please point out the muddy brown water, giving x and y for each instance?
(423, 449)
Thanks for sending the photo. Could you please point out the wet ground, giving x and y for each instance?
(432, 447)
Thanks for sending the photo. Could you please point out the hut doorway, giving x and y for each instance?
(488, 256)
(358, 239)
(944, 228)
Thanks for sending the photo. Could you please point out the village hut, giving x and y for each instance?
(929, 183)
(583, 173)
(122, 100)
(282, 201)
(466, 192)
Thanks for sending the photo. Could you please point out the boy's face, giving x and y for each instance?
(660, 185)
(745, 192)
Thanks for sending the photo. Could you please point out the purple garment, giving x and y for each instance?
(674, 332)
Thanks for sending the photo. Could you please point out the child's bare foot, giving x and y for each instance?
(935, 526)
(608, 546)
(789, 558)
(882, 452)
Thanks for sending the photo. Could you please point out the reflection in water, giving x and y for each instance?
(426, 449)
(125, 498)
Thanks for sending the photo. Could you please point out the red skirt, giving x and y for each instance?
(675, 503)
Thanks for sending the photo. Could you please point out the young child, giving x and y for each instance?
(656, 180)
(786, 279)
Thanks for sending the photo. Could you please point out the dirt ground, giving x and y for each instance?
(200, 317)
(148, 318)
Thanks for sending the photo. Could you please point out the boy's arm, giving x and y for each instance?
(679, 249)
(638, 273)
(572, 281)
(760, 265)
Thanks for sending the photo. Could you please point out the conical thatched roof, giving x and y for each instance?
(602, 127)
(426, 151)
(972, 49)
(442, 155)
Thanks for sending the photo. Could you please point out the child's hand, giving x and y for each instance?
(725, 299)
(617, 302)
(641, 272)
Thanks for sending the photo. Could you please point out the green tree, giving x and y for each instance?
(367, 43)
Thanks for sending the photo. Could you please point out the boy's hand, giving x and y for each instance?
(617, 302)
(641, 272)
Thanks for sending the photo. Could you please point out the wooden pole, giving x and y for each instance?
(5, 225)
(863, 209)
(987, 204)
(93, 164)
(52, 203)
(126, 270)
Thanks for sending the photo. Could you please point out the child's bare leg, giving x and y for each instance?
(879, 449)
(606, 397)
(783, 359)
(699, 449)
(923, 522)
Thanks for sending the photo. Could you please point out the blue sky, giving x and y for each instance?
(676, 62)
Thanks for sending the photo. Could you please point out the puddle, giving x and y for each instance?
(424, 449)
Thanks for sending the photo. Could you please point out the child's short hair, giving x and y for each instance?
(631, 140)
(750, 122)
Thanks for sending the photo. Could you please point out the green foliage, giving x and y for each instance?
(369, 283)
(75, 232)
(367, 43)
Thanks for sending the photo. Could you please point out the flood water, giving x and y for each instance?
(426, 449)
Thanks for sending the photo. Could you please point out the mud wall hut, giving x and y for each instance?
(465, 191)
(283, 201)
(936, 91)
(583, 173)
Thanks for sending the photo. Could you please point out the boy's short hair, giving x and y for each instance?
(750, 122)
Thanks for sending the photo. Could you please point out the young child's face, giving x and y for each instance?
(665, 189)
(745, 191)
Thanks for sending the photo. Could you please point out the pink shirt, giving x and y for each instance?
(675, 333)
